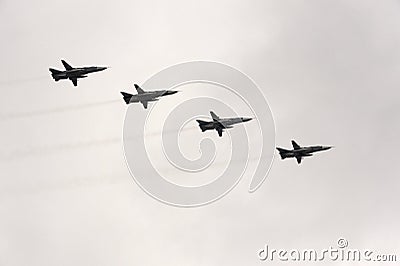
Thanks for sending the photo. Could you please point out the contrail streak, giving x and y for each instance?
(48, 150)
(37, 151)
(54, 110)
(22, 80)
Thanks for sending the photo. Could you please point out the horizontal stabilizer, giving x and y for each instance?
(202, 125)
(127, 97)
(282, 153)
(54, 71)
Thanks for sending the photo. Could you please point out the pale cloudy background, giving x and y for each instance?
(328, 68)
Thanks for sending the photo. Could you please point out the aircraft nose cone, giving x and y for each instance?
(245, 119)
(102, 68)
(170, 92)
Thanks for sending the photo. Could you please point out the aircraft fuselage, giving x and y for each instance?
(306, 151)
(300, 152)
(224, 123)
(219, 124)
(77, 72)
(150, 96)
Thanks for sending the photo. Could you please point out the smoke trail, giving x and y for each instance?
(158, 133)
(54, 110)
(49, 150)
(37, 151)
(23, 80)
(53, 185)
(74, 182)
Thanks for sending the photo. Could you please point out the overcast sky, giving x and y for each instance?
(329, 70)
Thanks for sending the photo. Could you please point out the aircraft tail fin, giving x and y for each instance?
(202, 125)
(127, 97)
(282, 153)
(54, 71)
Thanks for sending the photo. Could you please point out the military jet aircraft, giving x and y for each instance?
(219, 124)
(300, 152)
(73, 73)
(145, 96)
